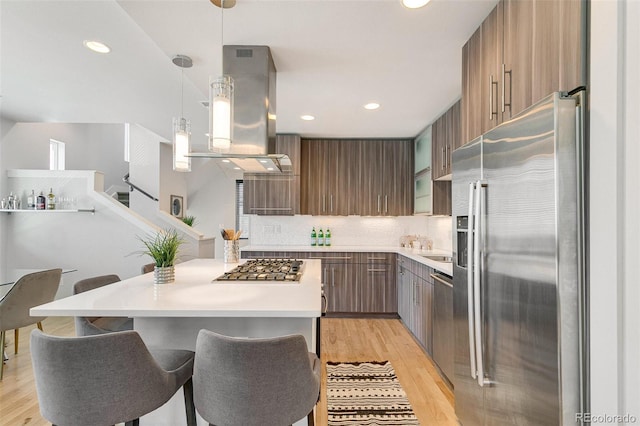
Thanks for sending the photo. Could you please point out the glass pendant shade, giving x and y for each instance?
(181, 145)
(220, 114)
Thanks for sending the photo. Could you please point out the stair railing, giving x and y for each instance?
(132, 186)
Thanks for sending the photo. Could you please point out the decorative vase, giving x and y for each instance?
(231, 251)
(164, 274)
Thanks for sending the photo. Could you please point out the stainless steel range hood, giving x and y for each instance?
(254, 114)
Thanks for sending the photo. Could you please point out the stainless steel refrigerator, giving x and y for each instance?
(519, 269)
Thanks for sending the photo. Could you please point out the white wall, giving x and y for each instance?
(211, 195)
(5, 126)
(614, 207)
(144, 170)
(87, 147)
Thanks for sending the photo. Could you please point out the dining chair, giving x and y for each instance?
(88, 326)
(107, 379)
(262, 381)
(30, 290)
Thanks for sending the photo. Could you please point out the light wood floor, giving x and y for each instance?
(342, 340)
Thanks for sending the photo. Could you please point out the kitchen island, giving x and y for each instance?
(171, 315)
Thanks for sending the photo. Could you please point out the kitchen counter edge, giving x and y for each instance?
(413, 254)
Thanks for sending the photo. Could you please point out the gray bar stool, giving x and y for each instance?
(261, 382)
(107, 379)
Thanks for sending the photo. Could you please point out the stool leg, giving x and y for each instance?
(188, 403)
(310, 419)
(16, 336)
(2, 348)
(39, 326)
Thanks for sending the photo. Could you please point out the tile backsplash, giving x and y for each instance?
(349, 230)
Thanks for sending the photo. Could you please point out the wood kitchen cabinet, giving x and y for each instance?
(275, 193)
(522, 52)
(329, 177)
(378, 292)
(445, 139)
(386, 178)
(415, 300)
(357, 177)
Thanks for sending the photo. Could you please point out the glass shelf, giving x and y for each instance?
(91, 210)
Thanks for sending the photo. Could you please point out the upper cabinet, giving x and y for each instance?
(445, 139)
(357, 177)
(271, 193)
(522, 52)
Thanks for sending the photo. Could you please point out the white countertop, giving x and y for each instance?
(193, 294)
(413, 254)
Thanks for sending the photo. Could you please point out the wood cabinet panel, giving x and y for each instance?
(490, 68)
(378, 292)
(545, 50)
(275, 194)
(442, 197)
(473, 99)
(573, 44)
(518, 44)
(542, 46)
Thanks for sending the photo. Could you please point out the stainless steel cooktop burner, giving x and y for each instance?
(265, 270)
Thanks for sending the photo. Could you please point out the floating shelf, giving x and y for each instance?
(91, 210)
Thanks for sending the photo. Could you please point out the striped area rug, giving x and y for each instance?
(366, 393)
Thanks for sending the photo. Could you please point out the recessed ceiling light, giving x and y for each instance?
(96, 46)
(307, 117)
(226, 161)
(263, 161)
(236, 168)
(414, 4)
(270, 168)
(372, 105)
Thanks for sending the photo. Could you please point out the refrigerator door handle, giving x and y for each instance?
(478, 218)
(470, 298)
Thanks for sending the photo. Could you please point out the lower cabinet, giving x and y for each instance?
(415, 300)
(443, 325)
(354, 282)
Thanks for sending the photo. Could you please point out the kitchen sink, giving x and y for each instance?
(437, 258)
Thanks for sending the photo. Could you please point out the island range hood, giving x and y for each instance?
(254, 113)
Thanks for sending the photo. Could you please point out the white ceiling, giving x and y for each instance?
(332, 57)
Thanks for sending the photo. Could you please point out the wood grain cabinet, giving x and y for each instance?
(445, 139)
(275, 193)
(522, 52)
(357, 177)
(329, 177)
(378, 292)
(415, 300)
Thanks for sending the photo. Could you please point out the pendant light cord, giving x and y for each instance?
(222, 37)
(182, 90)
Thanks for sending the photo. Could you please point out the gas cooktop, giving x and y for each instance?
(265, 270)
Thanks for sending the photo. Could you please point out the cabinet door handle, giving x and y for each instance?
(333, 277)
(324, 203)
(376, 270)
(491, 84)
(386, 204)
(378, 203)
(331, 203)
(504, 83)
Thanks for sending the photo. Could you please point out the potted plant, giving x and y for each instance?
(163, 248)
(189, 220)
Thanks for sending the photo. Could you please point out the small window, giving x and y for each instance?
(56, 155)
(242, 220)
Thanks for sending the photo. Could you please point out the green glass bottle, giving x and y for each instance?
(320, 237)
(314, 237)
(327, 238)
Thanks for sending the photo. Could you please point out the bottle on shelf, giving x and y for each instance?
(51, 200)
(314, 237)
(320, 237)
(327, 238)
(41, 202)
(31, 200)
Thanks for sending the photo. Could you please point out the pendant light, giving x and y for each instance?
(182, 126)
(221, 97)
